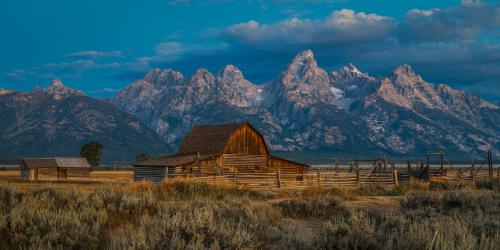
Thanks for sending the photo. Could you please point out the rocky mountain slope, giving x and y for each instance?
(307, 109)
(57, 120)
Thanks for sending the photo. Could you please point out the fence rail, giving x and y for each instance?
(327, 178)
(294, 181)
(347, 175)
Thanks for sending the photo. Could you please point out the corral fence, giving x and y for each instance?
(347, 174)
(322, 179)
(351, 174)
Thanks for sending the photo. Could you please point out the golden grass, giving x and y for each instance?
(104, 175)
(10, 175)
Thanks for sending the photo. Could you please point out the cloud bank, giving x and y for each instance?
(459, 45)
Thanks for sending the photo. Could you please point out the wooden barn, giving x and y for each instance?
(54, 168)
(217, 150)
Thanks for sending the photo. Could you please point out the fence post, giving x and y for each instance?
(235, 174)
(490, 164)
(214, 166)
(428, 161)
(385, 164)
(410, 177)
(318, 175)
(441, 161)
(358, 179)
(198, 163)
(221, 167)
(215, 175)
(394, 174)
(472, 172)
(278, 177)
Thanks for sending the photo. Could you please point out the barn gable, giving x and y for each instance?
(220, 139)
(246, 140)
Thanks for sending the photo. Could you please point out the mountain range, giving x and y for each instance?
(58, 120)
(308, 109)
(304, 111)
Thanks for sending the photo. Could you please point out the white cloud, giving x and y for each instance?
(17, 75)
(466, 21)
(168, 49)
(340, 27)
(93, 54)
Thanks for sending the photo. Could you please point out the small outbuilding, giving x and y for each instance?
(217, 150)
(55, 168)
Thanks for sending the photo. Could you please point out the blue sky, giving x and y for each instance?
(101, 46)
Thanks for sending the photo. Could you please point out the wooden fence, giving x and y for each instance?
(280, 180)
(348, 175)
(343, 177)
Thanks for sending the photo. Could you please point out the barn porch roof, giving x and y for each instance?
(294, 162)
(176, 160)
(173, 160)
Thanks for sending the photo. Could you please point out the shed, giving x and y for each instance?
(54, 168)
(211, 149)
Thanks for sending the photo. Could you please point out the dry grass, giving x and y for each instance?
(180, 215)
(101, 175)
(10, 175)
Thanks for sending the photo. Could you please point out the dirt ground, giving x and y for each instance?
(381, 202)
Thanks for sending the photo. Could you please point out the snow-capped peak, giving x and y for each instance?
(58, 88)
(57, 83)
(305, 59)
(405, 70)
(166, 76)
(304, 70)
(202, 76)
(152, 74)
(230, 73)
(350, 68)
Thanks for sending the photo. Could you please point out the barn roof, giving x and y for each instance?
(208, 139)
(61, 162)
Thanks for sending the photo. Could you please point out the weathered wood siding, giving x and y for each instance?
(78, 172)
(245, 163)
(204, 168)
(149, 173)
(246, 140)
(53, 173)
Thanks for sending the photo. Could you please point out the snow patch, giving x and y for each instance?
(260, 96)
(352, 87)
(337, 93)
(344, 103)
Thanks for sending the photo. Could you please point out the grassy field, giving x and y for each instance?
(124, 215)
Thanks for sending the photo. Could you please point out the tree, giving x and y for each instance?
(92, 151)
(142, 157)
